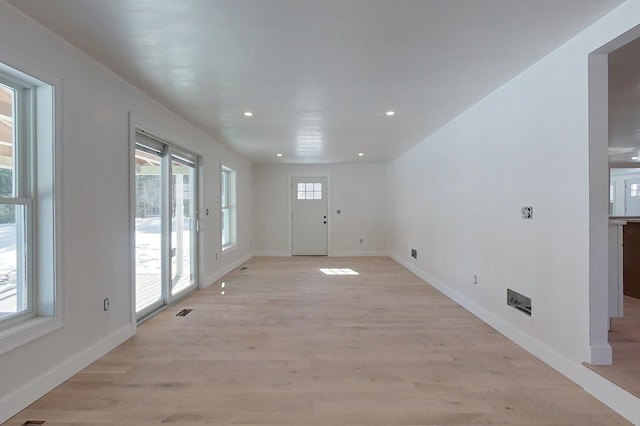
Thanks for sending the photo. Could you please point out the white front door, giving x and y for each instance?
(632, 197)
(309, 216)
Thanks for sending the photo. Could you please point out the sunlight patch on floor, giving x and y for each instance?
(338, 271)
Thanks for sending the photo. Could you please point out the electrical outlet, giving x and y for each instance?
(105, 304)
(475, 279)
(527, 212)
(414, 253)
(361, 240)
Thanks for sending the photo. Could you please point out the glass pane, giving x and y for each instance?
(317, 187)
(14, 295)
(224, 188)
(301, 196)
(317, 195)
(300, 187)
(309, 187)
(226, 239)
(148, 229)
(182, 216)
(7, 100)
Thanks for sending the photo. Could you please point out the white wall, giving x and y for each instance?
(527, 144)
(358, 190)
(95, 258)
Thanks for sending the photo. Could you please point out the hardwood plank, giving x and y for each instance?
(280, 343)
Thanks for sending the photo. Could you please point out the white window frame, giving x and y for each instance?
(36, 125)
(228, 207)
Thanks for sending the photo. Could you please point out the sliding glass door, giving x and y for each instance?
(183, 220)
(165, 224)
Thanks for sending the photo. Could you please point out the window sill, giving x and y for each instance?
(229, 249)
(27, 331)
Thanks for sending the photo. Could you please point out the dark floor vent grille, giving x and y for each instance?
(519, 301)
(184, 312)
(244, 268)
(33, 422)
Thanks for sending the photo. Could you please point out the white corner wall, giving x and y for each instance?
(95, 259)
(358, 190)
(526, 144)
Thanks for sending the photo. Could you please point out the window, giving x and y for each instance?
(27, 287)
(635, 190)
(16, 202)
(228, 203)
(309, 191)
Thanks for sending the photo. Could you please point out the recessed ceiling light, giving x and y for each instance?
(278, 155)
(361, 154)
(248, 114)
(635, 158)
(390, 113)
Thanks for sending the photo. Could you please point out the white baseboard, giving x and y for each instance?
(613, 396)
(36, 388)
(333, 253)
(272, 253)
(616, 398)
(601, 354)
(224, 271)
(361, 253)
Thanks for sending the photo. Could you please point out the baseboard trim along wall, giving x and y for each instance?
(613, 396)
(36, 388)
(372, 253)
(272, 253)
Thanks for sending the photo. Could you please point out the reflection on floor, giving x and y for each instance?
(625, 342)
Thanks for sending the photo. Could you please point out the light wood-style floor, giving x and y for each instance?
(283, 344)
(624, 338)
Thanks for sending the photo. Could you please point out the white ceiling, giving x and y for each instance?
(318, 75)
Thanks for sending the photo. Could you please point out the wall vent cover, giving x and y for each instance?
(519, 301)
(184, 312)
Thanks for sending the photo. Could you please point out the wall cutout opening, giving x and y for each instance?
(519, 301)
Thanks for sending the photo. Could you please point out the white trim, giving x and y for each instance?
(360, 253)
(36, 388)
(132, 221)
(273, 253)
(228, 249)
(619, 400)
(224, 271)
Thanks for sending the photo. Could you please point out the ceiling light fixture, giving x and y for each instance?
(361, 154)
(636, 158)
(278, 155)
(390, 113)
(248, 114)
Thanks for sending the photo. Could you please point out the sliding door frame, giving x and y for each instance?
(167, 149)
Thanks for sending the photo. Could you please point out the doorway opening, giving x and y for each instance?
(165, 223)
(615, 177)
